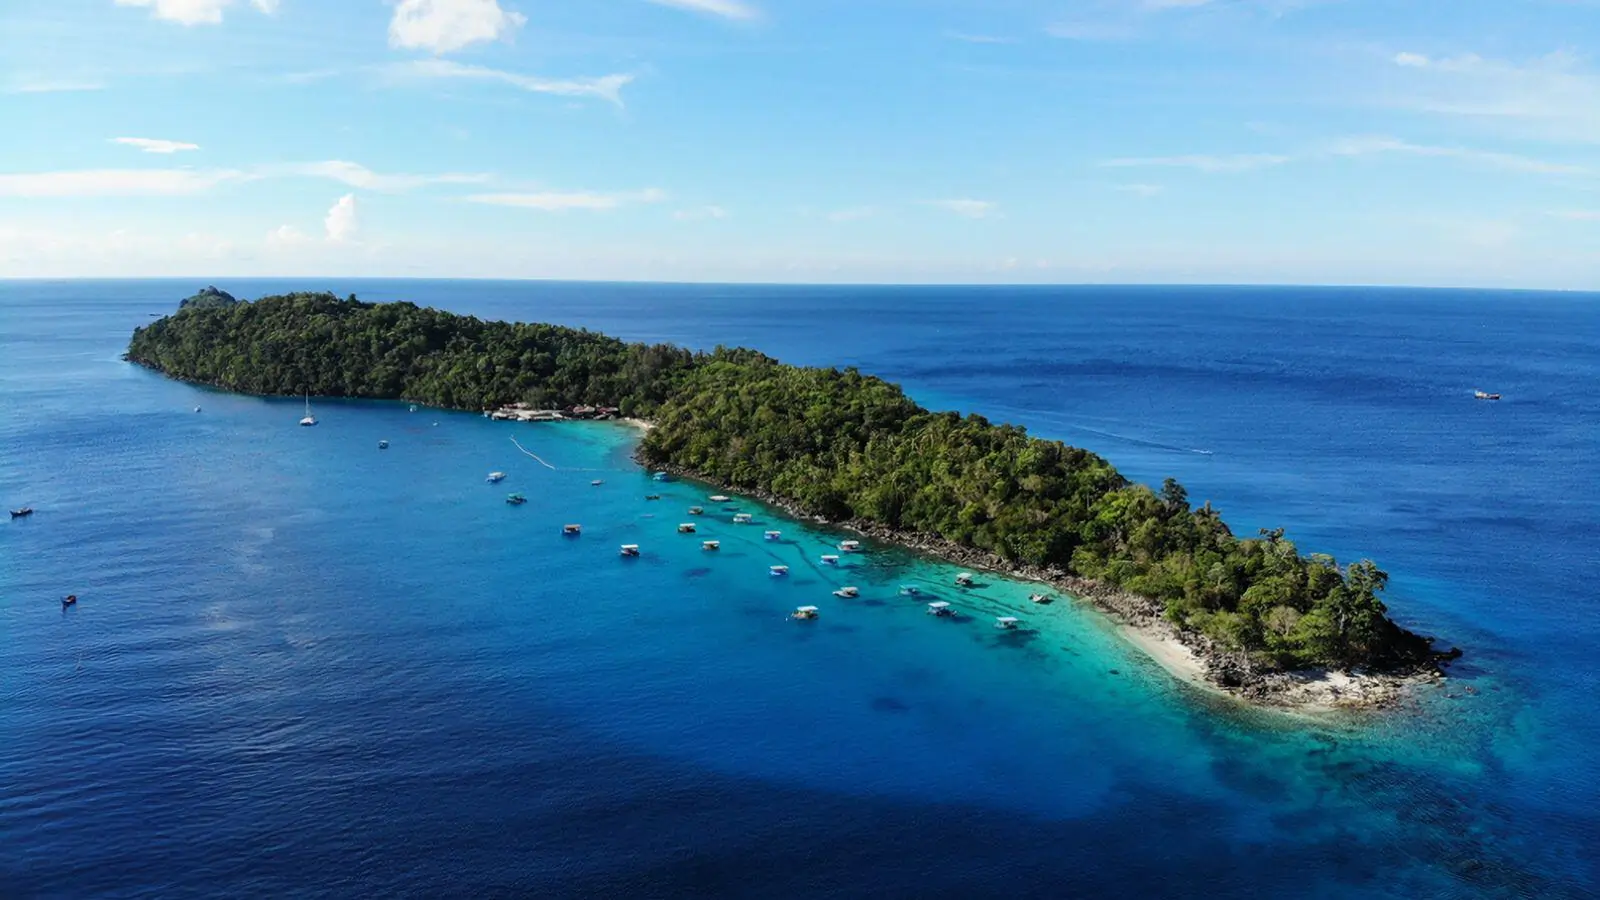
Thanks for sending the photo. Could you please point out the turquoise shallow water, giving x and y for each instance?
(303, 665)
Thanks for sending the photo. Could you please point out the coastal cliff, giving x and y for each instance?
(849, 449)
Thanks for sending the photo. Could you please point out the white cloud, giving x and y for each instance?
(115, 182)
(969, 38)
(358, 176)
(1240, 162)
(287, 236)
(32, 85)
(561, 201)
(194, 12)
(1552, 97)
(704, 212)
(1139, 190)
(340, 222)
(155, 145)
(605, 87)
(1370, 145)
(443, 26)
(972, 209)
(727, 9)
(852, 214)
(1091, 31)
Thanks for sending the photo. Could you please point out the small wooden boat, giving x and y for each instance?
(572, 530)
(804, 612)
(686, 528)
(516, 499)
(22, 513)
(69, 600)
(630, 550)
(940, 608)
(1006, 623)
(847, 592)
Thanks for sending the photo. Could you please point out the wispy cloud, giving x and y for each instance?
(1374, 145)
(727, 9)
(605, 87)
(852, 214)
(700, 214)
(970, 38)
(444, 26)
(34, 85)
(1552, 97)
(1139, 190)
(561, 201)
(194, 12)
(155, 145)
(115, 182)
(1089, 30)
(358, 176)
(972, 209)
(1238, 162)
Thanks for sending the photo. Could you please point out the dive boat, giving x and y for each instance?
(1481, 395)
(710, 545)
(850, 546)
(596, 483)
(719, 498)
(940, 608)
(804, 612)
(21, 513)
(828, 559)
(847, 592)
(910, 590)
(772, 536)
(309, 418)
(572, 530)
(516, 499)
(383, 445)
(777, 571)
(496, 477)
(630, 550)
(1006, 623)
(964, 579)
(1039, 598)
(686, 528)
(696, 510)
(741, 518)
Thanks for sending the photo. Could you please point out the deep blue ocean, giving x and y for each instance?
(304, 667)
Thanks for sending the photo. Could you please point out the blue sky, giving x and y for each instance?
(1435, 142)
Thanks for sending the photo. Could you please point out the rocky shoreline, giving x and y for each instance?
(1189, 656)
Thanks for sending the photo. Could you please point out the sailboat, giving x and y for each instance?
(309, 419)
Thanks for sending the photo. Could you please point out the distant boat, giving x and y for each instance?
(777, 571)
(596, 483)
(940, 608)
(383, 445)
(572, 530)
(850, 546)
(1006, 623)
(516, 499)
(496, 477)
(21, 513)
(69, 600)
(910, 590)
(847, 592)
(710, 545)
(309, 419)
(804, 612)
(828, 559)
(1480, 395)
(1039, 598)
(686, 528)
(696, 510)
(413, 408)
(741, 518)
(772, 536)
(630, 550)
(719, 498)
(964, 579)
(197, 409)
(652, 496)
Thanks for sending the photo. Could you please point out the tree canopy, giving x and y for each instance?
(836, 443)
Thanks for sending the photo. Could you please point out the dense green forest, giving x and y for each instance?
(838, 444)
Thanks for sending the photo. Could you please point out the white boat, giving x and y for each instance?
(940, 608)
(572, 530)
(804, 612)
(964, 579)
(596, 483)
(383, 445)
(910, 590)
(1484, 395)
(772, 535)
(1006, 623)
(710, 545)
(850, 546)
(828, 559)
(309, 419)
(741, 519)
(776, 571)
(496, 477)
(686, 528)
(847, 592)
(630, 549)
(696, 510)
(718, 498)
(1039, 598)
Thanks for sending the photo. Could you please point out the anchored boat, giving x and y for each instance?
(804, 612)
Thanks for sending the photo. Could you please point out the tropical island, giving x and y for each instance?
(849, 449)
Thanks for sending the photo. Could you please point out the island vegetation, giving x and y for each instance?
(209, 297)
(836, 444)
